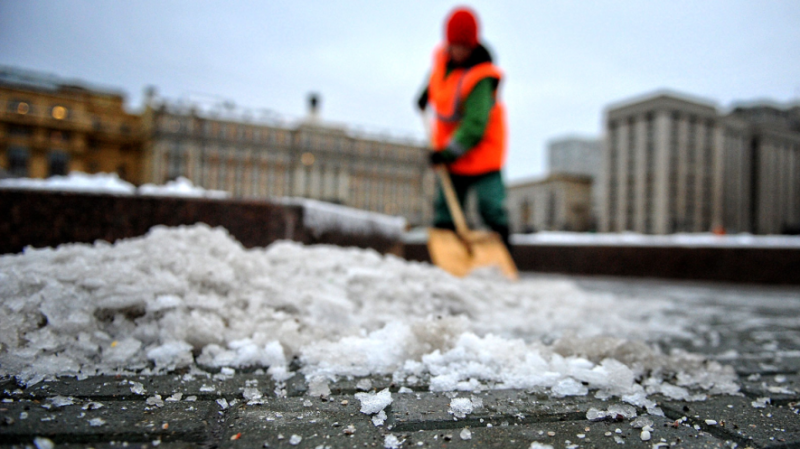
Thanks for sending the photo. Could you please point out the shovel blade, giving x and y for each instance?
(459, 256)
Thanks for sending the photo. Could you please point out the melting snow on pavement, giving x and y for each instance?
(190, 296)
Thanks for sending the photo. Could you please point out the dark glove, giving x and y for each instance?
(441, 157)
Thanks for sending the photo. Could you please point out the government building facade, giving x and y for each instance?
(675, 164)
(50, 126)
(309, 159)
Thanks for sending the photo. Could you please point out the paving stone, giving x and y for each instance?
(87, 422)
(781, 389)
(767, 365)
(315, 422)
(563, 434)
(735, 418)
(419, 411)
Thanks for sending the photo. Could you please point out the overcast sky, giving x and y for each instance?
(565, 61)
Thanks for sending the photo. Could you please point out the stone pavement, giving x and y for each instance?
(180, 410)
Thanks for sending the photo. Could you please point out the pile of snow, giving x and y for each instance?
(321, 217)
(193, 295)
(181, 187)
(74, 182)
(634, 239)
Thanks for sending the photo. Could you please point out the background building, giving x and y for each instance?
(664, 166)
(582, 156)
(675, 164)
(49, 126)
(559, 202)
(261, 159)
(762, 169)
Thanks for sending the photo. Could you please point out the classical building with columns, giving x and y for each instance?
(52, 126)
(261, 159)
(761, 191)
(557, 202)
(675, 164)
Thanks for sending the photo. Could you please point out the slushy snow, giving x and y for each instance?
(193, 296)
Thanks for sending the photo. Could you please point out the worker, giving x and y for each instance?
(468, 132)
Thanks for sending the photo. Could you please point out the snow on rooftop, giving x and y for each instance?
(150, 304)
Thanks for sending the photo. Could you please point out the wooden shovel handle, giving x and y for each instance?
(447, 187)
(452, 201)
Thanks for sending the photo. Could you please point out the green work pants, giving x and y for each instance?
(491, 195)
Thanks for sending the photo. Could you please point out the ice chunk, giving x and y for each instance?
(379, 418)
(174, 398)
(641, 422)
(364, 385)
(61, 401)
(569, 387)
(155, 400)
(121, 352)
(164, 302)
(460, 407)
(137, 388)
(465, 434)
(392, 442)
(43, 443)
(372, 403)
(174, 354)
(615, 412)
(294, 440)
(538, 445)
(252, 394)
(319, 387)
(97, 422)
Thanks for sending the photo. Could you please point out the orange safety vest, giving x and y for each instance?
(447, 94)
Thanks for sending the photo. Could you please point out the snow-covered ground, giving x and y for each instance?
(194, 296)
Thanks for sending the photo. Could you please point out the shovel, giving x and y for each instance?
(464, 250)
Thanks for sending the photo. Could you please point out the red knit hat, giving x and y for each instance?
(462, 27)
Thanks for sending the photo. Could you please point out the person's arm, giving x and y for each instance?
(476, 110)
(422, 101)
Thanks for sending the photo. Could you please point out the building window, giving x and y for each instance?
(59, 112)
(176, 162)
(19, 131)
(18, 158)
(20, 107)
(57, 163)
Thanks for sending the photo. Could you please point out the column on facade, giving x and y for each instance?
(299, 178)
(640, 175)
(699, 169)
(682, 172)
(605, 209)
(795, 187)
(764, 200)
(622, 176)
(661, 188)
(718, 176)
(783, 210)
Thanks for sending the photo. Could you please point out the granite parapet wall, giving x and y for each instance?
(48, 219)
(726, 264)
